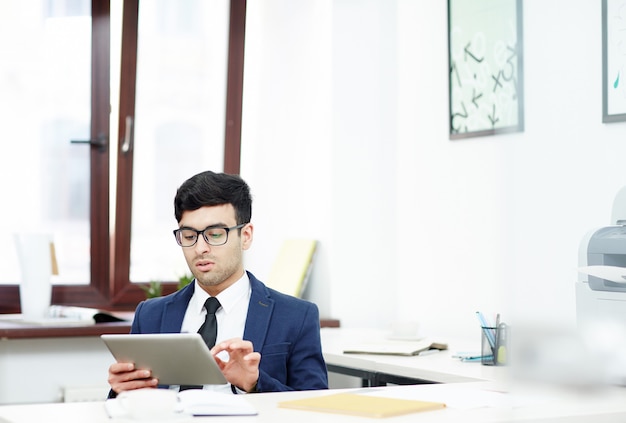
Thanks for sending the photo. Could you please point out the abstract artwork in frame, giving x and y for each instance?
(613, 61)
(485, 53)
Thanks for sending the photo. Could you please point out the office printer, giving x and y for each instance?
(598, 299)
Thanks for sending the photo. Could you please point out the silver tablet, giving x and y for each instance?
(174, 358)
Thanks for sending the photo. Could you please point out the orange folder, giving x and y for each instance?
(361, 405)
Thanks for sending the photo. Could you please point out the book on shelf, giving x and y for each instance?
(292, 268)
(86, 314)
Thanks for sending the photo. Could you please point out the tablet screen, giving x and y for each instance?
(174, 358)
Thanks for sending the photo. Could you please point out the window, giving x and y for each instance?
(48, 181)
(179, 114)
(177, 58)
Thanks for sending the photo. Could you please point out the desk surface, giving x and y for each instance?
(438, 367)
(467, 402)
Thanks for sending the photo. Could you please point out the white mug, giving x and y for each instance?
(149, 403)
(33, 250)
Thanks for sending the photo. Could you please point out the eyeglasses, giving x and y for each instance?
(213, 235)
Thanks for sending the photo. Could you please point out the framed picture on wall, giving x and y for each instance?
(486, 67)
(613, 60)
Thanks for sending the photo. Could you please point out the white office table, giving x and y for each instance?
(378, 370)
(471, 402)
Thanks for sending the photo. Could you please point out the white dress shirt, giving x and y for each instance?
(231, 316)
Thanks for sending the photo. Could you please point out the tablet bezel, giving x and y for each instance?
(173, 358)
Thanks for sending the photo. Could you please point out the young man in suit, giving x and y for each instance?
(272, 340)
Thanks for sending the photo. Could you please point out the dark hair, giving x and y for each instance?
(214, 189)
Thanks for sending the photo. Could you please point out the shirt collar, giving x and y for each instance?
(228, 298)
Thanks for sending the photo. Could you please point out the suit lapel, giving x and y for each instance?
(175, 309)
(259, 314)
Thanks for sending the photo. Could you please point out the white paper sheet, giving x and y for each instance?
(195, 402)
(610, 273)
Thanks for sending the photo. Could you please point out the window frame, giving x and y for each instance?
(110, 287)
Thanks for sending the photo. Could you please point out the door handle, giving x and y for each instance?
(100, 142)
(129, 135)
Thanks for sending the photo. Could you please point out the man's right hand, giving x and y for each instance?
(125, 377)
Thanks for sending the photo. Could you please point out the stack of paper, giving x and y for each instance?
(609, 273)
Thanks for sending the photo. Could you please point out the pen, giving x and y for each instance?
(477, 358)
(501, 353)
(428, 352)
(488, 333)
(467, 356)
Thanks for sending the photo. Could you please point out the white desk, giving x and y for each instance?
(72, 357)
(467, 402)
(378, 370)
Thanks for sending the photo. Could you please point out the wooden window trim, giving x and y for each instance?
(95, 294)
(110, 286)
(234, 92)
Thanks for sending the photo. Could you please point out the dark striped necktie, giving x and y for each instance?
(208, 330)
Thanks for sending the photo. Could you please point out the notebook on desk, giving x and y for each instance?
(390, 347)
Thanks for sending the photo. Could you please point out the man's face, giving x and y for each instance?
(216, 267)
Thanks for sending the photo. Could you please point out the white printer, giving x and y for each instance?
(603, 253)
(595, 352)
(601, 298)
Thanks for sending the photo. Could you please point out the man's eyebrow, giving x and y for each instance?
(215, 225)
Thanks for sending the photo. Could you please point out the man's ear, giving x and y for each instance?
(247, 236)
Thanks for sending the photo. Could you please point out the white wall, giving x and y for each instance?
(345, 138)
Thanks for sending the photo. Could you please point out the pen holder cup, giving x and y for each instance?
(494, 345)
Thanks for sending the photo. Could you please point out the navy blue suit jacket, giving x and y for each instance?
(284, 329)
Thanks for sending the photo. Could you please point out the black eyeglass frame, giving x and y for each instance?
(202, 232)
